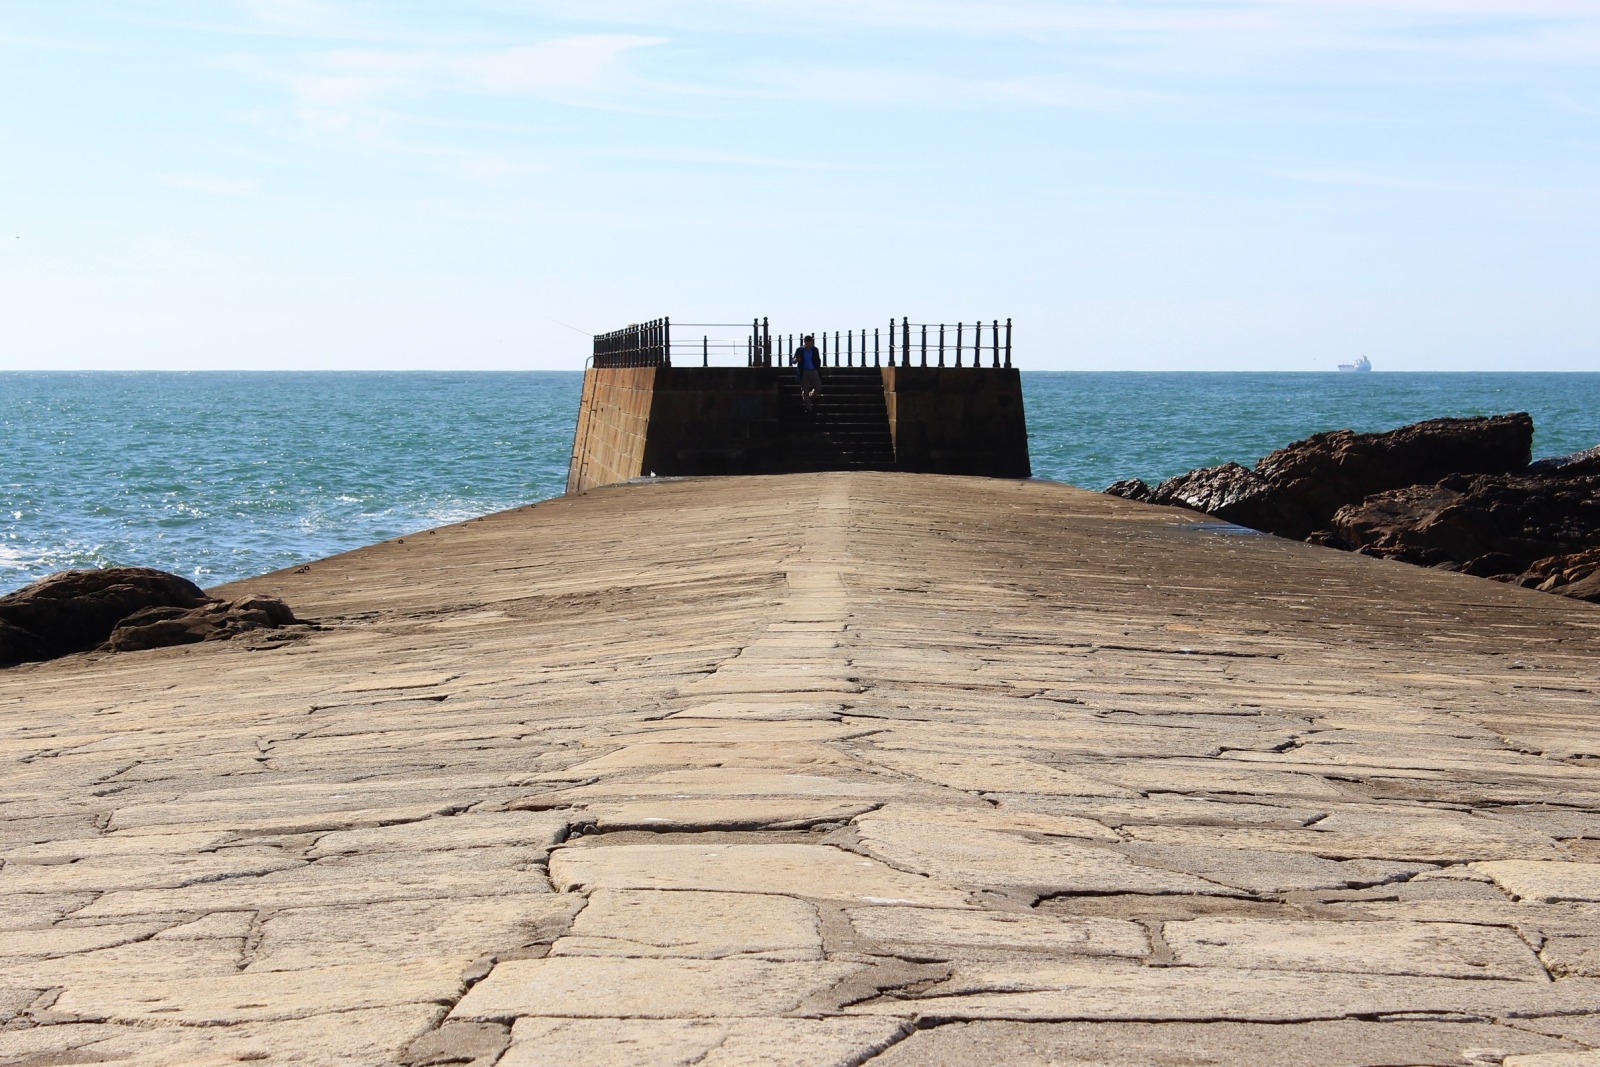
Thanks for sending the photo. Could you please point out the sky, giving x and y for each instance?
(478, 184)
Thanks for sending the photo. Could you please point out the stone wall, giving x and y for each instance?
(683, 421)
(613, 420)
(676, 421)
(949, 420)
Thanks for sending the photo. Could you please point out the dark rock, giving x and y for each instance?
(1295, 491)
(76, 610)
(1328, 539)
(122, 609)
(1131, 489)
(1491, 524)
(1574, 465)
(215, 620)
(1230, 492)
(1574, 574)
(1453, 494)
(1491, 564)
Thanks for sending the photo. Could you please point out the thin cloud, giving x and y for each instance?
(211, 185)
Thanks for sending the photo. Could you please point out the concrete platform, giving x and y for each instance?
(823, 769)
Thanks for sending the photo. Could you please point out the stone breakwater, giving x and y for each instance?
(822, 769)
(1456, 494)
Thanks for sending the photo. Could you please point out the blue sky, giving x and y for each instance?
(1241, 184)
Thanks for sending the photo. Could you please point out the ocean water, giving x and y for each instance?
(219, 476)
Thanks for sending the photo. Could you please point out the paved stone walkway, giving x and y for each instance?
(820, 770)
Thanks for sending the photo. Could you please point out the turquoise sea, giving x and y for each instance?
(219, 476)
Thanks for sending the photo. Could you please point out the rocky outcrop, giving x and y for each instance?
(215, 620)
(1453, 493)
(1295, 491)
(121, 609)
(1524, 518)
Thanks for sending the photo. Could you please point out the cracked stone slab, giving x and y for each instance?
(1263, 872)
(595, 987)
(680, 1042)
(1430, 836)
(980, 859)
(693, 924)
(1110, 990)
(927, 933)
(1342, 1043)
(989, 773)
(126, 873)
(1446, 950)
(752, 813)
(719, 783)
(468, 830)
(815, 871)
(348, 1038)
(763, 711)
(1544, 881)
(458, 928)
(1575, 956)
(682, 755)
(220, 1000)
(1002, 820)
(340, 880)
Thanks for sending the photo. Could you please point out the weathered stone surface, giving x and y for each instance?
(797, 870)
(591, 988)
(1446, 950)
(1428, 836)
(1590, 1058)
(1113, 991)
(1266, 873)
(472, 830)
(977, 859)
(218, 1000)
(360, 1037)
(461, 929)
(940, 934)
(1575, 956)
(1016, 683)
(693, 925)
(745, 813)
(1546, 881)
(1343, 1043)
(672, 1042)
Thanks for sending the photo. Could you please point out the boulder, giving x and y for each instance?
(216, 620)
(121, 609)
(1295, 491)
(1573, 465)
(1456, 494)
(1490, 524)
(1574, 574)
(76, 610)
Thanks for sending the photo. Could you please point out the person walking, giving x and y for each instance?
(807, 362)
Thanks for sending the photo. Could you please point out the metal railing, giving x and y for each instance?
(903, 344)
(646, 344)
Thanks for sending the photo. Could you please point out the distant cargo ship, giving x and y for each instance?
(1362, 364)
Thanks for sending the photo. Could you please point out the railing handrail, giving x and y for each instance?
(651, 344)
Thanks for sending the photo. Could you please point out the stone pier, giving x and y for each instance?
(822, 769)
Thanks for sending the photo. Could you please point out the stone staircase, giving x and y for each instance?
(848, 430)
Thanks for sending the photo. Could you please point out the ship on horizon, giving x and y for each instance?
(1362, 364)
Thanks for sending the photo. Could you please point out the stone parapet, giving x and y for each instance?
(685, 421)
